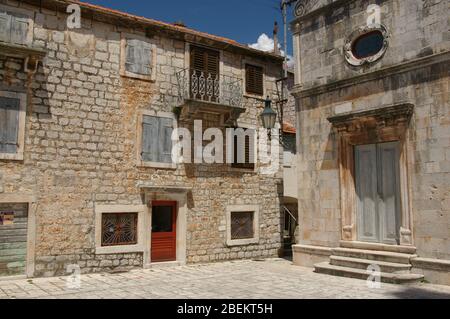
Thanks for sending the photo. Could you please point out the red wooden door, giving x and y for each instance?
(164, 231)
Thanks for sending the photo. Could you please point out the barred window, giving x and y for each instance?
(242, 225)
(119, 229)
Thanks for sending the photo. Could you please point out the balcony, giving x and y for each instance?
(199, 92)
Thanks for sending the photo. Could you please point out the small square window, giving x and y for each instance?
(242, 225)
(119, 229)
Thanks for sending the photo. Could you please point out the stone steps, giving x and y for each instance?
(383, 256)
(363, 264)
(392, 278)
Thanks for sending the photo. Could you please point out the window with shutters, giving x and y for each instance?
(254, 79)
(156, 140)
(15, 28)
(204, 74)
(242, 224)
(138, 58)
(244, 149)
(12, 125)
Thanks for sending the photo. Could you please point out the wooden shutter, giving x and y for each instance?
(165, 140)
(205, 60)
(150, 132)
(5, 27)
(248, 152)
(157, 139)
(19, 30)
(366, 190)
(254, 79)
(138, 57)
(389, 190)
(9, 125)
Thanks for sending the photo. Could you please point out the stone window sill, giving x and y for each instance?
(119, 249)
(11, 157)
(157, 165)
(242, 242)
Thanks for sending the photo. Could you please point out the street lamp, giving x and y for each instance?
(268, 116)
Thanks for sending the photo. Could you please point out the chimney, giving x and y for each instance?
(276, 49)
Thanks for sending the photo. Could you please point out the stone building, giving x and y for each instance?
(372, 86)
(86, 118)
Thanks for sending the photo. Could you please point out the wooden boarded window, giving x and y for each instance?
(254, 79)
(119, 229)
(9, 125)
(13, 239)
(249, 150)
(14, 28)
(157, 139)
(242, 225)
(138, 57)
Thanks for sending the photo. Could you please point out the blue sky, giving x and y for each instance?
(240, 20)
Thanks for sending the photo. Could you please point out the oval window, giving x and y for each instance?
(368, 44)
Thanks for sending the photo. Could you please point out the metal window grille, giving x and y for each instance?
(119, 229)
(242, 225)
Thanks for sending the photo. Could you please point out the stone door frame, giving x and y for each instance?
(172, 194)
(385, 124)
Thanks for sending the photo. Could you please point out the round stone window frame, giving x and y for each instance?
(355, 35)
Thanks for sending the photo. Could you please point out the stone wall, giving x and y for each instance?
(80, 149)
(418, 29)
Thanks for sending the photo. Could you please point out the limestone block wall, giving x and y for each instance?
(418, 29)
(81, 130)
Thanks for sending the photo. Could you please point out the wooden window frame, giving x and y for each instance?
(256, 233)
(30, 18)
(246, 62)
(123, 57)
(140, 162)
(22, 97)
(140, 210)
(386, 124)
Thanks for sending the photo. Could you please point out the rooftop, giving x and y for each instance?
(123, 19)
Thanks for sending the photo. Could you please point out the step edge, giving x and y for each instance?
(368, 261)
(327, 266)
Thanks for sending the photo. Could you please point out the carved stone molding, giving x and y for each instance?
(304, 7)
(348, 47)
(384, 124)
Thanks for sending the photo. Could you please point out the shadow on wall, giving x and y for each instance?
(409, 292)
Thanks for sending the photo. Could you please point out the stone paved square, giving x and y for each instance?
(269, 279)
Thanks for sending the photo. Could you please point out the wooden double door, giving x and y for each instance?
(164, 231)
(377, 182)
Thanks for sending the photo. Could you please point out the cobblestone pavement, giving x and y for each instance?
(241, 279)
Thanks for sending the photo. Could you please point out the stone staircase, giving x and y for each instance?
(395, 267)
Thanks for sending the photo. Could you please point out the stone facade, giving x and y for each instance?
(414, 69)
(80, 141)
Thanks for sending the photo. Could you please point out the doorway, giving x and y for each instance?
(377, 182)
(164, 231)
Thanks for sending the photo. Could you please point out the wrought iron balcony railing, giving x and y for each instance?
(208, 87)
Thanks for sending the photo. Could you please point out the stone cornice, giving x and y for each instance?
(374, 75)
(403, 110)
(312, 9)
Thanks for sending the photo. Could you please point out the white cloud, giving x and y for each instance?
(266, 44)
